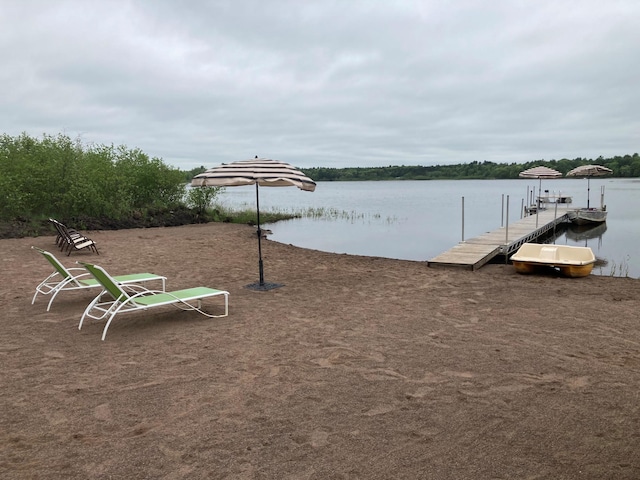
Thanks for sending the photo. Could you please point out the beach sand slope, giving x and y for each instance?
(357, 368)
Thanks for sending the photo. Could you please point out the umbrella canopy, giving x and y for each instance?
(589, 171)
(261, 172)
(540, 172)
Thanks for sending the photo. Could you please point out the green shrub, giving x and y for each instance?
(57, 177)
(201, 198)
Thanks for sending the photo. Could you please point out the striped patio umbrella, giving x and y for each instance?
(540, 172)
(589, 171)
(261, 172)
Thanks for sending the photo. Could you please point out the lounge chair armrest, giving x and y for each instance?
(136, 288)
(146, 291)
(76, 269)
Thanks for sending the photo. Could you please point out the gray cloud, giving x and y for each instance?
(326, 83)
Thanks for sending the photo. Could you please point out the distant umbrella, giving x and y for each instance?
(589, 171)
(261, 172)
(540, 172)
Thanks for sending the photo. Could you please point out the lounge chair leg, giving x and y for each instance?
(104, 332)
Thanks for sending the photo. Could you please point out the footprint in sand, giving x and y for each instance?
(379, 410)
(458, 374)
(102, 412)
(52, 354)
(337, 356)
(578, 382)
(420, 393)
(319, 438)
(383, 374)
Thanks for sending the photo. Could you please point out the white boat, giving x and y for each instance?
(570, 261)
(586, 216)
(551, 198)
(548, 200)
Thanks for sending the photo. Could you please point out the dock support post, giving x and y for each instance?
(506, 236)
(506, 240)
(463, 219)
(555, 222)
(537, 208)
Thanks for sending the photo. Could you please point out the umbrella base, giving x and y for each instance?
(263, 287)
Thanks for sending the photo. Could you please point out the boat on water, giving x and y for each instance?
(551, 198)
(587, 216)
(539, 173)
(570, 261)
(548, 200)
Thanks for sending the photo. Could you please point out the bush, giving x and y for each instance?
(59, 177)
(201, 198)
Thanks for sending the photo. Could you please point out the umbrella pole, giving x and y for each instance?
(539, 191)
(260, 266)
(262, 285)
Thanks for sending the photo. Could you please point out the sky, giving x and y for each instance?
(326, 83)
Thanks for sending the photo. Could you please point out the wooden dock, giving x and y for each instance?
(475, 252)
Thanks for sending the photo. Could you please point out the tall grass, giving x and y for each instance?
(246, 213)
(620, 269)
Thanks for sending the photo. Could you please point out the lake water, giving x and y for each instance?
(417, 220)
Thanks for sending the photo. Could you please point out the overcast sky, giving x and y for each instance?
(327, 83)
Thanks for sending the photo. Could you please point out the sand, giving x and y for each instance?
(358, 368)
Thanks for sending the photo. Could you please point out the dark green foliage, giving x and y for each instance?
(97, 187)
(189, 174)
(59, 177)
(201, 198)
(626, 166)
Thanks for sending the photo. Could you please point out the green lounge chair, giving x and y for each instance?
(123, 301)
(65, 279)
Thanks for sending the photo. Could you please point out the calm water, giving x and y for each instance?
(417, 220)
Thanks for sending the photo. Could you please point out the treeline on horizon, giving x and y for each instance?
(627, 166)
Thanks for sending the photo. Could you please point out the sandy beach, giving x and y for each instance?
(358, 368)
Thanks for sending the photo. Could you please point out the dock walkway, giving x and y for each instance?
(475, 252)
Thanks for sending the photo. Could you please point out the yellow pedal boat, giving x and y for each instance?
(571, 261)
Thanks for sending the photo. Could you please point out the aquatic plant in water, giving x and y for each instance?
(620, 270)
(314, 213)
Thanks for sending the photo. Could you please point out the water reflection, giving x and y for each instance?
(417, 220)
(585, 236)
(579, 233)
